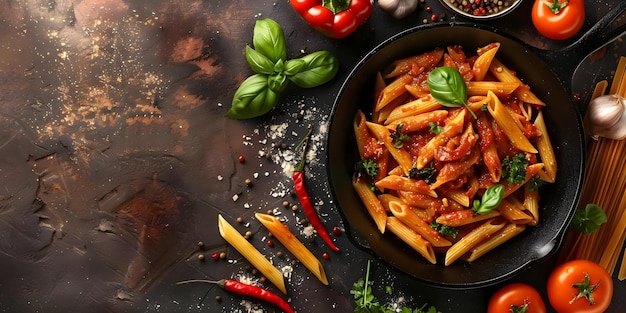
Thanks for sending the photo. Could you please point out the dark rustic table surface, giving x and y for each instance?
(116, 157)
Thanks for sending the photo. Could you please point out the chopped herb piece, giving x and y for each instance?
(367, 166)
(398, 138)
(514, 169)
(444, 230)
(589, 219)
(434, 128)
(428, 174)
(535, 183)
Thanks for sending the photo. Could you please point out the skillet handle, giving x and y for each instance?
(566, 60)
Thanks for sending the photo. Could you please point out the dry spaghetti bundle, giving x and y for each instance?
(605, 186)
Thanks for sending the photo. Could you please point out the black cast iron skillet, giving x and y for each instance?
(559, 200)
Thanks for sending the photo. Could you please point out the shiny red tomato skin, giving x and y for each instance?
(516, 294)
(561, 292)
(563, 25)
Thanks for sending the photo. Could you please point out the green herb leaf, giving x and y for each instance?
(258, 62)
(269, 40)
(319, 67)
(398, 138)
(589, 219)
(277, 82)
(428, 173)
(535, 183)
(514, 169)
(366, 302)
(447, 86)
(444, 230)
(434, 128)
(293, 67)
(369, 167)
(490, 200)
(253, 98)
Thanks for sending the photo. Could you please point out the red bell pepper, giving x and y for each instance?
(334, 18)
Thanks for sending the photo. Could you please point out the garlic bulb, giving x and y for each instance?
(398, 8)
(607, 117)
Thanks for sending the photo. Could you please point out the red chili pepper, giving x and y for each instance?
(247, 290)
(305, 201)
(334, 18)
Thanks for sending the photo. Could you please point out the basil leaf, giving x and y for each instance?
(491, 199)
(253, 98)
(319, 67)
(277, 82)
(447, 86)
(269, 40)
(293, 67)
(258, 62)
(589, 219)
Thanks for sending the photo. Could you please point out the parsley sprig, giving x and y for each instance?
(366, 302)
(514, 169)
(589, 219)
(367, 167)
(398, 138)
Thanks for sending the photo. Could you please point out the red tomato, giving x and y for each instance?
(514, 297)
(579, 286)
(562, 25)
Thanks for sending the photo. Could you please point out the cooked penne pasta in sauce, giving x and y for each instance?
(435, 169)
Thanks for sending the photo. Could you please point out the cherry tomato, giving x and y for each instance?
(565, 23)
(580, 286)
(516, 297)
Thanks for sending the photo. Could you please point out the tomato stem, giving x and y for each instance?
(555, 5)
(519, 309)
(585, 290)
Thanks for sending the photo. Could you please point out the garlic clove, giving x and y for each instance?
(607, 117)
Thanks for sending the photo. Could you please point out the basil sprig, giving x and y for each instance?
(589, 219)
(259, 93)
(447, 86)
(491, 199)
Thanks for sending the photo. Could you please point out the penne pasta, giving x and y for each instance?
(504, 74)
(418, 122)
(473, 239)
(546, 152)
(436, 162)
(464, 217)
(500, 89)
(508, 124)
(371, 202)
(417, 106)
(531, 204)
(513, 213)
(400, 155)
(281, 232)
(393, 91)
(396, 182)
(250, 253)
(506, 233)
(482, 63)
(402, 212)
(452, 128)
(412, 238)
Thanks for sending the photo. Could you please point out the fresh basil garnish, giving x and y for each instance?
(447, 86)
(490, 200)
(319, 67)
(269, 40)
(259, 93)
